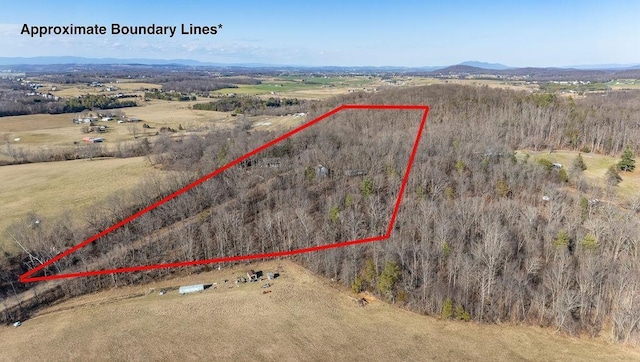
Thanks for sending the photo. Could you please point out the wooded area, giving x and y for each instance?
(474, 237)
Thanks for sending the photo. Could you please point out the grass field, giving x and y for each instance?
(44, 131)
(159, 113)
(58, 130)
(53, 187)
(303, 87)
(303, 318)
(597, 166)
(621, 84)
(49, 188)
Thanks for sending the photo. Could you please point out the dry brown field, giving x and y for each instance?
(302, 318)
(52, 188)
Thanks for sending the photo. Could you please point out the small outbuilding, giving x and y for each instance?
(322, 171)
(191, 288)
(353, 173)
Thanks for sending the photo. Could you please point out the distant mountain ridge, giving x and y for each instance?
(483, 65)
(83, 60)
(604, 66)
(46, 60)
(465, 69)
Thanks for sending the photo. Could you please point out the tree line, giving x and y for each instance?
(247, 104)
(481, 235)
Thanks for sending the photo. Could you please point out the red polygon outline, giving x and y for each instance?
(26, 277)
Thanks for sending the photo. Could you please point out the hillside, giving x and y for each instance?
(474, 230)
(305, 317)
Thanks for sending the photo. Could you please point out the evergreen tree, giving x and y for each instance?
(562, 239)
(388, 278)
(370, 273)
(548, 165)
(612, 176)
(366, 187)
(584, 208)
(447, 309)
(563, 175)
(589, 242)
(357, 285)
(627, 163)
(578, 163)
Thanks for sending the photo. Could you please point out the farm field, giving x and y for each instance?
(48, 188)
(622, 84)
(124, 86)
(43, 131)
(304, 87)
(513, 85)
(52, 188)
(172, 113)
(302, 318)
(322, 88)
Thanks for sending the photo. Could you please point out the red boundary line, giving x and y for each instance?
(26, 277)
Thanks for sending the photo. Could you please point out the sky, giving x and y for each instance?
(538, 33)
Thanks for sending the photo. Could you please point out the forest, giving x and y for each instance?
(481, 234)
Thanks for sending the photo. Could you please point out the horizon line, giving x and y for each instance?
(182, 61)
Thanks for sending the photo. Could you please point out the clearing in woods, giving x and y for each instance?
(303, 318)
(597, 166)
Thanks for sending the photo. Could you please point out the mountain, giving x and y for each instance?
(60, 60)
(603, 72)
(460, 69)
(604, 66)
(483, 65)
(475, 67)
(83, 60)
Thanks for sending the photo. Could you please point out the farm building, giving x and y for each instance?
(322, 171)
(191, 288)
(265, 162)
(83, 120)
(272, 162)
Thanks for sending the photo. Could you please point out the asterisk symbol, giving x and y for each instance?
(219, 26)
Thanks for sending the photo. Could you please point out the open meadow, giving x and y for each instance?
(52, 130)
(597, 166)
(304, 87)
(42, 132)
(52, 188)
(301, 317)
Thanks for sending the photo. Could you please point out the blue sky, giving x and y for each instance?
(401, 33)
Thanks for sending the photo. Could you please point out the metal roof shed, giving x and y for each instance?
(191, 288)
